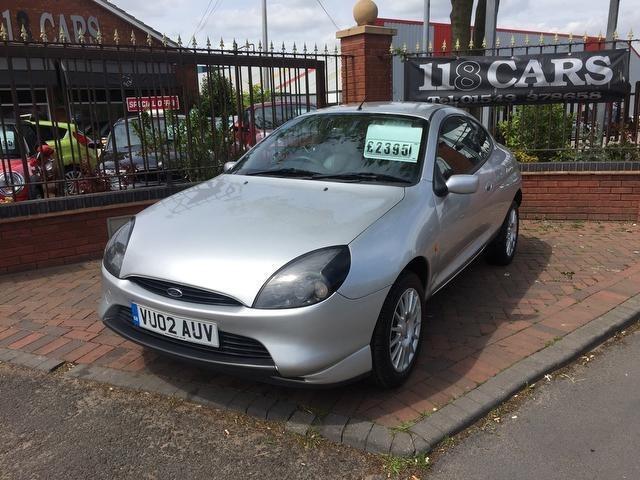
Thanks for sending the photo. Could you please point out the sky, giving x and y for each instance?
(303, 21)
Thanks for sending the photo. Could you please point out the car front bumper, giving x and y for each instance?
(325, 343)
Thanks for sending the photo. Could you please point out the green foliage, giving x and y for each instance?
(524, 157)
(154, 139)
(539, 131)
(399, 465)
(195, 144)
(218, 95)
(622, 151)
(257, 94)
(192, 147)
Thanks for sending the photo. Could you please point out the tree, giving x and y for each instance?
(258, 95)
(461, 11)
(217, 95)
(461, 22)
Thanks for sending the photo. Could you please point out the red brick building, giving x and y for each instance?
(94, 96)
(69, 19)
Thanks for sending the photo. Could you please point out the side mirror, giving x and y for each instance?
(462, 184)
(228, 166)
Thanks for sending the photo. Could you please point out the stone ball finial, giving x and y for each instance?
(365, 12)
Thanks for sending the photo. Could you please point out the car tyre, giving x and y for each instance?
(503, 248)
(399, 326)
(72, 180)
(36, 192)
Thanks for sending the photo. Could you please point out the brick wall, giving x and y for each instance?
(53, 239)
(368, 73)
(581, 196)
(40, 241)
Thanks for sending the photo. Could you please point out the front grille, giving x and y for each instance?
(230, 344)
(189, 294)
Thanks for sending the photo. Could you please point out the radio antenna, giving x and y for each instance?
(361, 103)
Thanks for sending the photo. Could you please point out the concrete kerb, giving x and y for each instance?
(449, 421)
(419, 438)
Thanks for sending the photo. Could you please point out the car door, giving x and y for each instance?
(463, 149)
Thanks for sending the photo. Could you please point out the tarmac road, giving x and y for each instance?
(58, 428)
(583, 426)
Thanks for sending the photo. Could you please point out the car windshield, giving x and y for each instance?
(270, 117)
(352, 147)
(154, 130)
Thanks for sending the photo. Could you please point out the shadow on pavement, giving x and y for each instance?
(476, 309)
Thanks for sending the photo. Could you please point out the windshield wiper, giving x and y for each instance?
(362, 176)
(284, 172)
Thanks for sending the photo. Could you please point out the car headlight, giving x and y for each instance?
(116, 247)
(309, 279)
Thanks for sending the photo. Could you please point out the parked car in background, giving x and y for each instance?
(135, 152)
(76, 155)
(13, 177)
(310, 260)
(151, 148)
(260, 119)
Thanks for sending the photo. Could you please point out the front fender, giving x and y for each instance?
(386, 247)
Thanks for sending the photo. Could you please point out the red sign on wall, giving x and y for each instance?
(163, 102)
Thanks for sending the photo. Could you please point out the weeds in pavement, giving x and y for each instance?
(397, 465)
(552, 341)
(404, 426)
(312, 439)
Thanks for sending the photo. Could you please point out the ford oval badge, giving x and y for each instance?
(174, 292)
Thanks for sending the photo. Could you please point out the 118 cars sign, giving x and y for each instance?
(544, 78)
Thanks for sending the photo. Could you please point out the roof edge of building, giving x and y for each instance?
(133, 20)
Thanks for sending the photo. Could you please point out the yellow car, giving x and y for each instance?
(76, 154)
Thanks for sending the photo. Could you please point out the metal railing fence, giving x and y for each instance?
(85, 118)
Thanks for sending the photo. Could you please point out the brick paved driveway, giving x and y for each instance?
(564, 275)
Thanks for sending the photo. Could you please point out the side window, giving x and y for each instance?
(462, 147)
(484, 141)
(50, 133)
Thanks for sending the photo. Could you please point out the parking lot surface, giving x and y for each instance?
(565, 274)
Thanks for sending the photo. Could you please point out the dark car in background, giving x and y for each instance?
(136, 152)
(260, 119)
(155, 147)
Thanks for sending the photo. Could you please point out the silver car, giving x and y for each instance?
(310, 259)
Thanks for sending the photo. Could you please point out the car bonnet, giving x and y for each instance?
(231, 234)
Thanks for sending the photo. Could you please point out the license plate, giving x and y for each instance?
(186, 329)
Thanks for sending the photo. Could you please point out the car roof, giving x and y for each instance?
(417, 109)
(49, 123)
(279, 103)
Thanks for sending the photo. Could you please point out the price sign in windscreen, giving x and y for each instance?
(393, 142)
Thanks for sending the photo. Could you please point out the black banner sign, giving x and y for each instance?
(544, 78)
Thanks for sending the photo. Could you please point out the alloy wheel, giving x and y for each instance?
(72, 180)
(512, 232)
(405, 330)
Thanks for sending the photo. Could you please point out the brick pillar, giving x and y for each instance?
(366, 65)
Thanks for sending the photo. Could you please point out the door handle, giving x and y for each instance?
(488, 187)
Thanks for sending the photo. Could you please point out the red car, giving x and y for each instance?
(260, 119)
(13, 178)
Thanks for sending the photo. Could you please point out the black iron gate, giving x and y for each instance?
(79, 119)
